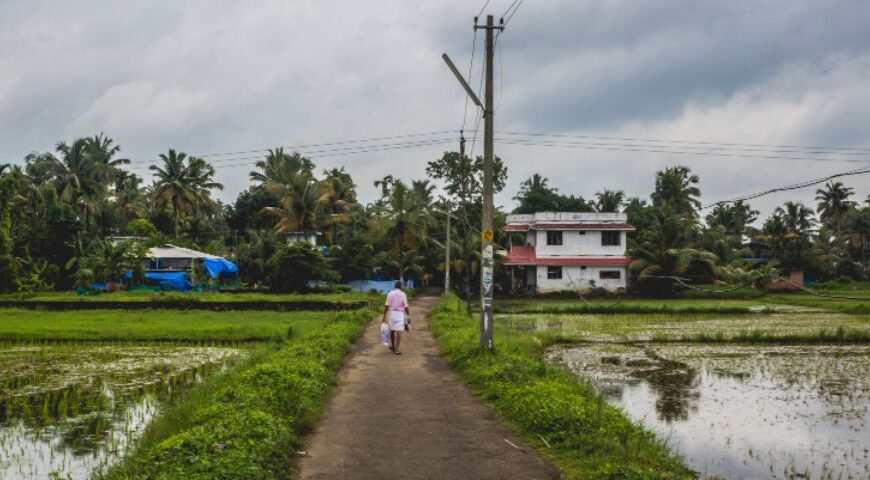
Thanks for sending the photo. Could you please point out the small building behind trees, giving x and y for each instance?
(567, 251)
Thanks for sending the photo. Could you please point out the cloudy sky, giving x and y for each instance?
(212, 77)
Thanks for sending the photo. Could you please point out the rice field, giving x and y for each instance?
(70, 410)
(742, 411)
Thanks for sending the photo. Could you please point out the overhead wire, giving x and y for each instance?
(757, 146)
(511, 14)
(482, 8)
(687, 150)
(795, 186)
(323, 144)
(252, 160)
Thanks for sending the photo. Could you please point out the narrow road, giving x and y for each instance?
(408, 417)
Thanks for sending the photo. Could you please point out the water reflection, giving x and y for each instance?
(744, 411)
(74, 409)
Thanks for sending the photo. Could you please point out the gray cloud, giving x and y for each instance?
(206, 76)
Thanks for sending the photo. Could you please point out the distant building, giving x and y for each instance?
(296, 237)
(568, 251)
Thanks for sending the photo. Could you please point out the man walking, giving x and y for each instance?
(395, 310)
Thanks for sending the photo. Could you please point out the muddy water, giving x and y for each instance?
(72, 410)
(684, 326)
(743, 411)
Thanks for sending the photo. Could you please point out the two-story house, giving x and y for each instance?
(568, 251)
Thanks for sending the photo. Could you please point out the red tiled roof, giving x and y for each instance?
(520, 253)
(582, 226)
(525, 255)
(514, 227)
(522, 227)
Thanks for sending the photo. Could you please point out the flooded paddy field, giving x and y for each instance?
(742, 411)
(689, 326)
(71, 409)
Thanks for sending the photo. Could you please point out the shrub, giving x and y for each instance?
(296, 267)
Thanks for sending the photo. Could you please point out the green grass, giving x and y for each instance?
(718, 304)
(151, 296)
(587, 437)
(803, 326)
(249, 421)
(154, 325)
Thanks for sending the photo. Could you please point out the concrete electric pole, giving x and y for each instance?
(487, 273)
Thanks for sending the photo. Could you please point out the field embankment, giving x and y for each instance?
(564, 418)
(249, 421)
(154, 325)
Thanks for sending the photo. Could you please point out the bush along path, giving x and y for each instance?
(249, 422)
(565, 419)
(409, 417)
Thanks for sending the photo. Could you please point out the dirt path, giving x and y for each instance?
(408, 417)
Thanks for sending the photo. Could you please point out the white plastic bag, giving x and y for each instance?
(385, 335)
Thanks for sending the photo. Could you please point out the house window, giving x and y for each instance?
(610, 275)
(554, 238)
(554, 273)
(610, 239)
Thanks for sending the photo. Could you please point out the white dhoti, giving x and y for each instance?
(397, 320)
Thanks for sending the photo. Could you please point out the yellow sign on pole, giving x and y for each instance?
(488, 235)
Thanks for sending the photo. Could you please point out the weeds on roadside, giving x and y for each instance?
(564, 418)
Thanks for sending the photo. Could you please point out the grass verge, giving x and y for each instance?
(565, 419)
(249, 421)
(154, 325)
(191, 296)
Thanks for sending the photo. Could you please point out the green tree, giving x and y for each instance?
(734, 217)
(293, 268)
(184, 184)
(834, 206)
(664, 251)
(676, 188)
(609, 201)
(279, 169)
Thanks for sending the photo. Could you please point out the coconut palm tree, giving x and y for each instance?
(665, 252)
(173, 186)
(341, 199)
(404, 219)
(797, 217)
(609, 201)
(302, 207)
(79, 179)
(201, 176)
(130, 200)
(677, 187)
(102, 150)
(834, 206)
(733, 217)
(279, 169)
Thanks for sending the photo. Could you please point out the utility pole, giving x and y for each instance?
(486, 231)
(447, 265)
(487, 234)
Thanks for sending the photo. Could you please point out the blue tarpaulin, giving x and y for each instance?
(380, 285)
(179, 275)
(217, 266)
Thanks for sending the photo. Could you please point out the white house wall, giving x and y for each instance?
(574, 244)
(578, 278)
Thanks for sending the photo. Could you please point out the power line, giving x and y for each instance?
(518, 4)
(482, 8)
(852, 150)
(508, 9)
(360, 150)
(323, 144)
(470, 70)
(663, 149)
(794, 186)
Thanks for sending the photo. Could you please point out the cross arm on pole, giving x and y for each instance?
(462, 81)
